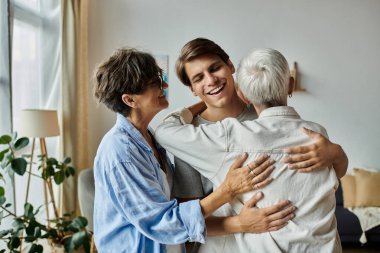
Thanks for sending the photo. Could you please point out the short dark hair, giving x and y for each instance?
(127, 71)
(193, 49)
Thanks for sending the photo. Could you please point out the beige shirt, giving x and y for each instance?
(211, 149)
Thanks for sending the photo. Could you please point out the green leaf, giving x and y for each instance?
(14, 243)
(52, 161)
(18, 165)
(67, 172)
(28, 211)
(5, 139)
(86, 245)
(77, 240)
(2, 191)
(37, 232)
(72, 170)
(8, 205)
(5, 232)
(2, 154)
(18, 224)
(78, 223)
(59, 176)
(38, 209)
(30, 238)
(36, 248)
(53, 233)
(50, 171)
(2, 200)
(21, 143)
(33, 230)
(67, 160)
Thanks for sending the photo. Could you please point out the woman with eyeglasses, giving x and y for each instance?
(133, 210)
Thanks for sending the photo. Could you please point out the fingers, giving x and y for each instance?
(260, 160)
(260, 165)
(311, 168)
(277, 227)
(298, 150)
(281, 217)
(278, 224)
(262, 184)
(239, 161)
(277, 207)
(305, 164)
(297, 158)
(261, 176)
(254, 199)
(309, 132)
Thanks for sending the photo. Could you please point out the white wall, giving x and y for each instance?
(335, 42)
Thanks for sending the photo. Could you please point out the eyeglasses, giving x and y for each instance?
(157, 81)
(161, 81)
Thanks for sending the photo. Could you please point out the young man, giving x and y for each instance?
(207, 70)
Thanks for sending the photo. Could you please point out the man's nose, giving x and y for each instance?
(211, 79)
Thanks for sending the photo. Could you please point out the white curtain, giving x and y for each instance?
(36, 61)
(5, 99)
(74, 94)
(5, 74)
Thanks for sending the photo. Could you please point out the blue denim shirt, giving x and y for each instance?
(131, 211)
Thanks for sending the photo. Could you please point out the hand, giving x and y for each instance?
(259, 220)
(253, 176)
(197, 108)
(322, 153)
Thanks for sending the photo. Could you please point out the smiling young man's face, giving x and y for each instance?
(211, 80)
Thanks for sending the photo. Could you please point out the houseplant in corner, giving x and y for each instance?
(66, 230)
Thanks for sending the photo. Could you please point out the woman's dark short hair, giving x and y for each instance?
(127, 71)
(193, 49)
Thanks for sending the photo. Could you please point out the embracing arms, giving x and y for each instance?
(251, 219)
(321, 153)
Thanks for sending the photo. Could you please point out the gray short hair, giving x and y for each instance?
(263, 77)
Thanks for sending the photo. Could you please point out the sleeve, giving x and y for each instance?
(202, 147)
(138, 195)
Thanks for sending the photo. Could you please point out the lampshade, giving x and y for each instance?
(38, 123)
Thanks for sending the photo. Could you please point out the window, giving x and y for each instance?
(5, 95)
(36, 33)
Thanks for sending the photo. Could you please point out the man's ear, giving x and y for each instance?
(231, 66)
(129, 100)
(291, 85)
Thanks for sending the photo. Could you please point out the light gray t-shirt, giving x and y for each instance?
(188, 182)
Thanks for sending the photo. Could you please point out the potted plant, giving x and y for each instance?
(67, 230)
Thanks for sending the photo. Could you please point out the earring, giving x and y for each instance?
(290, 95)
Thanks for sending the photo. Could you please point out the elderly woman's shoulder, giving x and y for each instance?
(115, 143)
(315, 127)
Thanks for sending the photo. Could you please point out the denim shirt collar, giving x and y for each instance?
(123, 123)
(279, 111)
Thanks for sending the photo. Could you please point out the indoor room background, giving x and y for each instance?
(335, 43)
